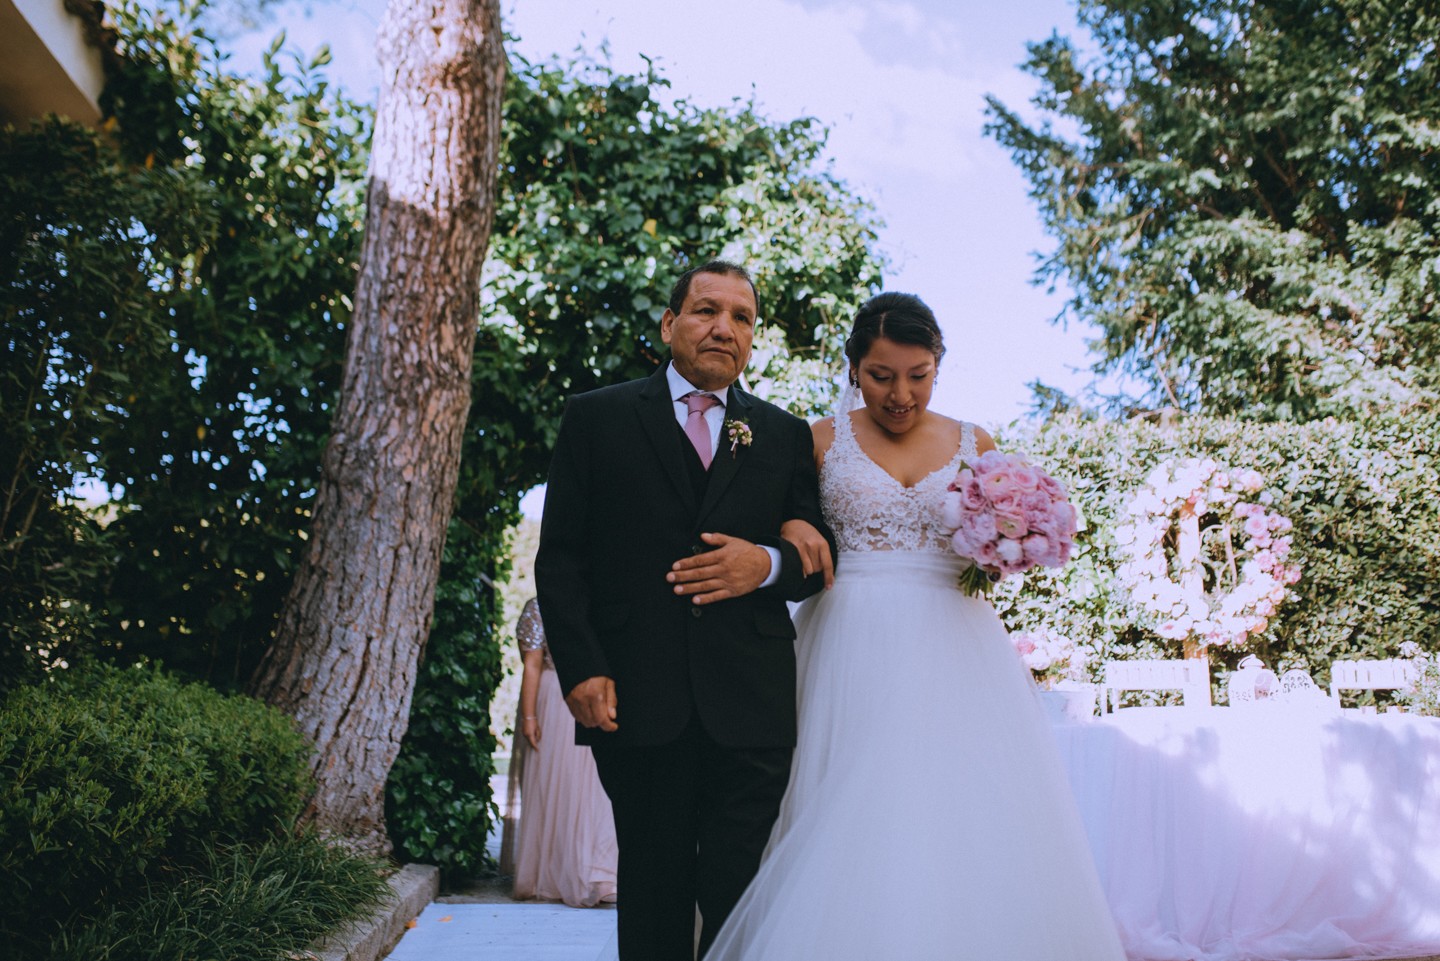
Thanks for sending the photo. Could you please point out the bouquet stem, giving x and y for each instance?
(975, 582)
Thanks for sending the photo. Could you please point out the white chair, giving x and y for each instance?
(1190, 676)
(1391, 674)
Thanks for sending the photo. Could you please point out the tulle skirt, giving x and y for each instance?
(565, 846)
(928, 814)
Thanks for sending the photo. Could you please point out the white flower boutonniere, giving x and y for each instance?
(738, 431)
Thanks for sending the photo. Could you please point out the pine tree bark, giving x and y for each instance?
(355, 622)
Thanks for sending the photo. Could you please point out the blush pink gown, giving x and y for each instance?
(565, 846)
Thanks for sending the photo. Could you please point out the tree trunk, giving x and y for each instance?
(355, 622)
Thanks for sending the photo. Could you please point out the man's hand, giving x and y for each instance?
(813, 547)
(592, 702)
(735, 568)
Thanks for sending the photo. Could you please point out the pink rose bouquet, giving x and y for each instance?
(1007, 517)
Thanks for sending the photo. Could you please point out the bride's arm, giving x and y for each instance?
(815, 551)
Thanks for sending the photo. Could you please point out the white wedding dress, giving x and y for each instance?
(928, 814)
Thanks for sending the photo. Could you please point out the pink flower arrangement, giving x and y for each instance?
(1007, 517)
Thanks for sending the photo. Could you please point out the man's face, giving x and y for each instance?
(710, 338)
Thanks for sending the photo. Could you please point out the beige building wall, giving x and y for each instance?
(46, 63)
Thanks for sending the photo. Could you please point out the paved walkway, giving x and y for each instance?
(506, 932)
(479, 921)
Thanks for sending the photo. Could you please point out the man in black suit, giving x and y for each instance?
(663, 579)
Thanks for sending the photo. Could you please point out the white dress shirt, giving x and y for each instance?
(715, 420)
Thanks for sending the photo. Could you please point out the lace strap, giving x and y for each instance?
(967, 442)
(845, 440)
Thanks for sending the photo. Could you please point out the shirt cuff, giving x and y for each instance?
(774, 574)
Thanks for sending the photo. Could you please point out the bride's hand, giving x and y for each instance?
(813, 547)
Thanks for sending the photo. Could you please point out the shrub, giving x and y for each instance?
(108, 776)
(1366, 535)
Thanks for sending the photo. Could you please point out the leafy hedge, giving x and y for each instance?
(439, 807)
(109, 778)
(1362, 496)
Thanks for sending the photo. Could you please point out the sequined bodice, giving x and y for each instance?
(871, 511)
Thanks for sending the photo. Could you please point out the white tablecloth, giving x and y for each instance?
(1263, 832)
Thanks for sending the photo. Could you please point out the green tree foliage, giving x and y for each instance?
(1245, 198)
(218, 458)
(175, 305)
(85, 242)
(607, 194)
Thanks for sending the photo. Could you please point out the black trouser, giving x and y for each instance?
(692, 818)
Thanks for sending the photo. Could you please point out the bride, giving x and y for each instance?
(928, 814)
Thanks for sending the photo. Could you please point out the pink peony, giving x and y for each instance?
(1065, 519)
(1025, 477)
(972, 495)
(1011, 522)
(1007, 517)
(1036, 502)
(951, 512)
(1042, 551)
(998, 482)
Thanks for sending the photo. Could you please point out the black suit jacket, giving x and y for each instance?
(620, 508)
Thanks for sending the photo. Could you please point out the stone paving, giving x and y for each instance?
(506, 932)
(479, 920)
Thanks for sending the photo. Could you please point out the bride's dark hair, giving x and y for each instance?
(903, 318)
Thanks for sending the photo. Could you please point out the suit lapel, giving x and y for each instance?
(657, 416)
(726, 463)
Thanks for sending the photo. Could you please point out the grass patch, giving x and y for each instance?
(242, 902)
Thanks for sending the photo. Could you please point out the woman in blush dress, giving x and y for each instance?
(565, 846)
(928, 814)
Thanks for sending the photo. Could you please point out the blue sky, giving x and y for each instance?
(901, 85)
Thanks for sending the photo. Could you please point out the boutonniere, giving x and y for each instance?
(738, 431)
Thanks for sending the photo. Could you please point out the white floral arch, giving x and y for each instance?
(1203, 555)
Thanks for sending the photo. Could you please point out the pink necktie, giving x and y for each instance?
(695, 427)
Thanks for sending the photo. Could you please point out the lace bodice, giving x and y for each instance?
(871, 511)
(530, 632)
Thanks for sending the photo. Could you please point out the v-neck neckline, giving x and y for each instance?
(948, 465)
